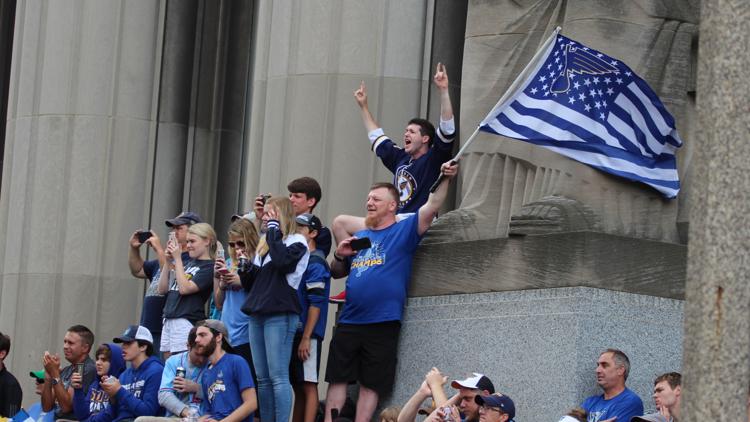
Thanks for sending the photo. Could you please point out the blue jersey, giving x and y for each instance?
(413, 178)
(223, 384)
(379, 276)
(624, 406)
(314, 290)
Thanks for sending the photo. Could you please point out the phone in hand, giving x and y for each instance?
(223, 271)
(143, 236)
(361, 243)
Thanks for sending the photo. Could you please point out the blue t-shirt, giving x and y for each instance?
(313, 291)
(223, 384)
(153, 302)
(624, 405)
(231, 313)
(413, 178)
(379, 276)
(193, 373)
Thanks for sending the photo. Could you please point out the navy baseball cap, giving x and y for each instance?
(133, 333)
(187, 217)
(497, 400)
(310, 221)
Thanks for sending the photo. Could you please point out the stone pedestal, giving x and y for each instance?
(538, 346)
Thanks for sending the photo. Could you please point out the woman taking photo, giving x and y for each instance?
(187, 286)
(271, 282)
(229, 296)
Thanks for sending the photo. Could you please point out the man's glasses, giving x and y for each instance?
(237, 244)
(484, 408)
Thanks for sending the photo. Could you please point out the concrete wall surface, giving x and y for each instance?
(538, 346)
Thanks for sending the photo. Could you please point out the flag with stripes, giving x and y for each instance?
(594, 109)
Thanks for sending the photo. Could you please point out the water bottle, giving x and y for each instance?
(192, 415)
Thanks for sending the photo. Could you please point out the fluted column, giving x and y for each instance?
(78, 160)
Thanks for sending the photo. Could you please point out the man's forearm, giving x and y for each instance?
(169, 401)
(135, 262)
(446, 107)
(367, 119)
(409, 412)
(48, 397)
(339, 268)
(64, 398)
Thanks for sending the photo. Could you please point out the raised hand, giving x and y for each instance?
(441, 77)
(361, 95)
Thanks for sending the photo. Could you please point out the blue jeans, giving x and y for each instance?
(271, 339)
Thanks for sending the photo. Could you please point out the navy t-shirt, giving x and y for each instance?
(191, 307)
(223, 384)
(413, 178)
(153, 302)
(379, 276)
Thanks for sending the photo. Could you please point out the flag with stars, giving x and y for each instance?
(594, 109)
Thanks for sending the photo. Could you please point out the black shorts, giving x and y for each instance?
(364, 353)
(307, 371)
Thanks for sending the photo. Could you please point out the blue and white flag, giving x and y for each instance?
(594, 109)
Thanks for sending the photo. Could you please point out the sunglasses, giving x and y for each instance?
(237, 244)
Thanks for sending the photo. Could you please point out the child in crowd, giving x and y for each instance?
(109, 362)
(313, 297)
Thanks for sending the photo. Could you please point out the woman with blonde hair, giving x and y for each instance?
(187, 285)
(272, 281)
(229, 296)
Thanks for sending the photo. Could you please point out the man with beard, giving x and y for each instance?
(57, 392)
(363, 347)
(618, 402)
(228, 390)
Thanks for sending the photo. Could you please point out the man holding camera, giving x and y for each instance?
(57, 392)
(364, 344)
(153, 302)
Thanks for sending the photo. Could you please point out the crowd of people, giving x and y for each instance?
(269, 292)
(256, 354)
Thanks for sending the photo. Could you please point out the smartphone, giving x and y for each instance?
(80, 367)
(264, 198)
(144, 236)
(223, 271)
(361, 243)
(172, 237)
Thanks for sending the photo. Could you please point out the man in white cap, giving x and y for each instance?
(468, 390)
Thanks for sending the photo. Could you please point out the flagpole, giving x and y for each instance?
(519, 79)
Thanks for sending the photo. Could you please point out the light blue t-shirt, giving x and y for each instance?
(193, 373)
(223, 385)
(379, 276)
(624, 405)
(232, 316)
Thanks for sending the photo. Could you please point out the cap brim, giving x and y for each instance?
(176, 222)
(37, 376)
(122, 339)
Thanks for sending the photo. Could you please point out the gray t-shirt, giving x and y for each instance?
(89, 372)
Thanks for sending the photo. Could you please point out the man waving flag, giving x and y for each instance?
(594, 109)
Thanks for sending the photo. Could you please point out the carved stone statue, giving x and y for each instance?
(500, 177)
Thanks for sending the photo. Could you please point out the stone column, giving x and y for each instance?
(78, 157)
(717, 336)
(309, 58)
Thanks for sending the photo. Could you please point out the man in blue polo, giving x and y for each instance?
(363, 347)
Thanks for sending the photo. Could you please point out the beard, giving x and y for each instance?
(371, 222)
(208, 349)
